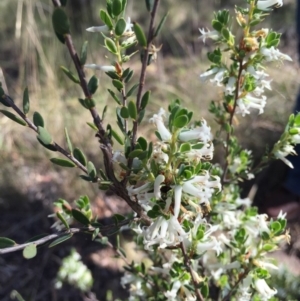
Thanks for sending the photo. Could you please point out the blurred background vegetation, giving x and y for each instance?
(30, 55)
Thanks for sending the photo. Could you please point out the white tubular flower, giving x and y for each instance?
(248, 102)
(177, 199)
(102, 68)
(129, 25)
(287, 150)
(206, 153)
(230, 86)
(243, 290)
(164, 233)
(266, 264)
(136, 190)
(158, 120)
(267, 5)
(201, 133)
(102, 28)
(158, 155)
(264, 290)
(273, 54)
(230, 219)
(218, 78)
(214, 35)
(172, 294)
(213, 244)
(159, 179)
(201, 187)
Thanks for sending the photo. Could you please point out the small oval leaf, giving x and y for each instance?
(91, 170)
(83, 53)
(124, 112)
(106, 19)
(145, 99)
(13, 117)
(44, 135)
(69, 143)
(70, 75)
(62, 162)
(26, 103)
(38, 119)
(93, 84)
(80, 217)
(63, 220)
(132, 110)
(60, 239)
(140, 35)
(79, 155)
(30, 251)
(118, 84)
(6, 242)
(110, 45)
(120, 27)
(60, 21)
(116, 7)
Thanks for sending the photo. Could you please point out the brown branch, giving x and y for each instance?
(150, 38)
(232, 112)
(40, 241)
(34, 128)
(187, 263)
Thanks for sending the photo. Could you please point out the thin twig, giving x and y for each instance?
(40, 241)
(187, 263)
(150, 38)
(232, 112)
(105, 143)
(34, 128)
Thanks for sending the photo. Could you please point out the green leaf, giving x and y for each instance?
(181, 121)
(37, 237)
(143, 143)
(38, 120)
(185, 147)
(160, 25)
(80, 217)
(120, 27)
(132, 90)
(141, 116)
(145, 100)
(217, 25)
(106, 19)
(117, 137)
(205, 290)
(60, 37)
(83, 53)
(13, 117)
(48, 146)
(92, 126)
(149, 5)
(129, 76)
(62, 162)
(111, 46)
(104, 112)
(69, 143)
(140, 35)
(26, 103)
(6, 243)
(44, 135)
(91, 170)
(118, 84)
(135, 153)
(114, 96)
(95, 233)
(60, 21)
(132, 110)
(93, 84)
(60, 239)
(79, 155)
(30, 251)
(116, 7)
(70, 75)
(225, 33)
(124, 112)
